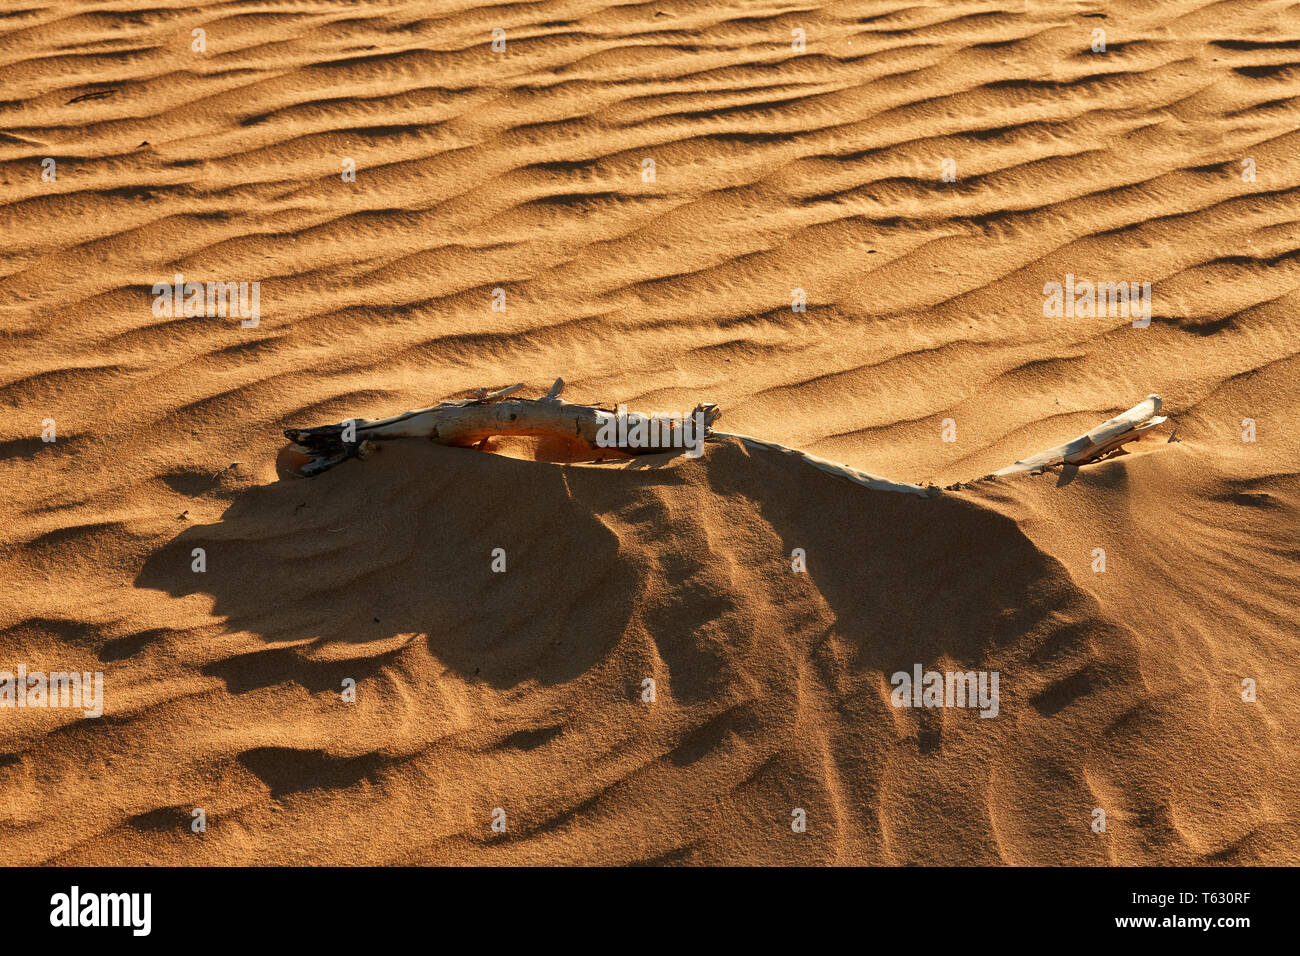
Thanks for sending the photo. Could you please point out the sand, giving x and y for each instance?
(518, 696)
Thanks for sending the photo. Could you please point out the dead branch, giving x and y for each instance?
(489, 414)
(1097, 443)
(492, 413)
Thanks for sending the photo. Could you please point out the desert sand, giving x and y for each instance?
(918, 172)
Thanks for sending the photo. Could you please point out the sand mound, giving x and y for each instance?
(503, 226)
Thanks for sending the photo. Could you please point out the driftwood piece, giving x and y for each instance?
(834, 468)
(1100, 441)
(488, 414)
(492, 413)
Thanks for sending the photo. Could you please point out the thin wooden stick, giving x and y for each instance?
(492, 413)
(1100, 441)
(834, 468)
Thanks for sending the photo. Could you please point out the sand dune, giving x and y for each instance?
(779, 175)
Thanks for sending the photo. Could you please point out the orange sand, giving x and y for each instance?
(774, 170)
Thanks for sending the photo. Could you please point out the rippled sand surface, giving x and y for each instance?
(844, 246)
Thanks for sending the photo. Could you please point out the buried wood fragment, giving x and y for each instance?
(468, 422)
(834, 468)
(1097, 443)
(491, 413)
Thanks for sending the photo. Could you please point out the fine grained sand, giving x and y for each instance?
(774, 170)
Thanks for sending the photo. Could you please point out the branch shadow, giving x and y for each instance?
(342, 571)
